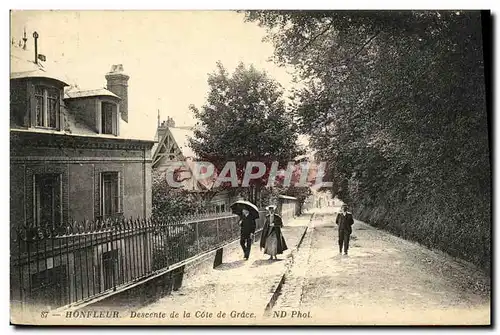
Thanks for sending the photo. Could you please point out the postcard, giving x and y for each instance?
(250, 167)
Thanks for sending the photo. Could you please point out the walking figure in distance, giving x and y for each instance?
(247, 231)
(272, 240)
(344, 221)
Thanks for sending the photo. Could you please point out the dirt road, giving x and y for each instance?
(383, 280)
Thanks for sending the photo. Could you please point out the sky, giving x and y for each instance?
(167, 54)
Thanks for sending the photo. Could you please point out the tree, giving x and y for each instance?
(170, 202)
(395, 102)
(244, 119)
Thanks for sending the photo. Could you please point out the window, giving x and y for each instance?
(47, 200)
(220, 208)
(108, 118)
(110, 194)
(46, 106)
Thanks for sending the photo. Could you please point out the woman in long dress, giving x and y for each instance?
(272, 240)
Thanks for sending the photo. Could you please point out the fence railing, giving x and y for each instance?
(53, 267)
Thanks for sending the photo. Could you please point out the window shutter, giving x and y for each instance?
(32, 104)
(99, 199)
(35, 202)
(60, 116)
(98, 116)
(45, 109)
(114, 128)
(120, 192)
(60, 119)
(58, 201)
(118, 117)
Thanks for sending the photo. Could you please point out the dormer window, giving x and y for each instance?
(46, 106)
(109, 118)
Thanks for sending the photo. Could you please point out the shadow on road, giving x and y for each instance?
(231, 265)
(261, 262)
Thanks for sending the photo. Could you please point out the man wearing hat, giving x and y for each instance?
(344, 221)
(247, 231)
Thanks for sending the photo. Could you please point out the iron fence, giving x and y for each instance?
(53, 267)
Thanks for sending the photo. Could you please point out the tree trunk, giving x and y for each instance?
(249, 192)
(258, 199)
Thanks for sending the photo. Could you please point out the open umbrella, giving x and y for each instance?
(240, 204)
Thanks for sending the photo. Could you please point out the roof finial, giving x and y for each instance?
(24, 39)
(158, 118)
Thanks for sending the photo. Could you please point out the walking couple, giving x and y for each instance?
(272, 241)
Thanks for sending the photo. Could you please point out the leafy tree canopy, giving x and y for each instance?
(170, 202)
(244, 119)
(395, 102)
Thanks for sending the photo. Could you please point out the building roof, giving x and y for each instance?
(78, 128)
(302, 157)
(22, 65)
(128, 130)
(181, 137)
(43, 133)
(155, 147)
(75, 93)
(287, 197)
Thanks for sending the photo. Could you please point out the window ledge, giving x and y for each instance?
(46, 129)
(118, 215)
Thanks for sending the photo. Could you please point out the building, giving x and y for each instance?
(73, 159)
(172, 148)
(288, 207)
(71, 154)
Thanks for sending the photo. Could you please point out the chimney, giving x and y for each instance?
(117, 82)
(170, 122)
(161, 131)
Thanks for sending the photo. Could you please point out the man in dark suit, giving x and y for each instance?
(344, 221)
(247, 231)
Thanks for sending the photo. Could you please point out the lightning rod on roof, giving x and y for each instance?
(25, 39)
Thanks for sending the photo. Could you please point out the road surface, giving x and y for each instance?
(383, 280)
